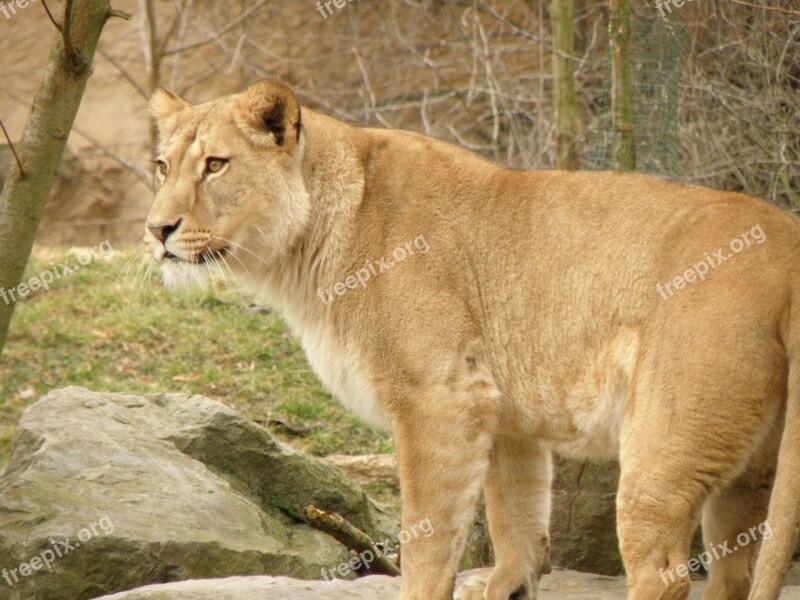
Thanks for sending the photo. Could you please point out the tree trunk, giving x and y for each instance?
(53, 111)
(619, 36)
(564, 97)
(148, 30)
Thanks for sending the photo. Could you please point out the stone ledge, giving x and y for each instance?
(560, 585)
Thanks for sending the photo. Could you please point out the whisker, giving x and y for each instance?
(124, 269)
(142, 263)
(235, 245)
(235, 288)
(145, 276)
(227, 266)
(211, 278)
(137, 277)
(243, 265)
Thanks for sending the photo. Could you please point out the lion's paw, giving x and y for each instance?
(473, 589)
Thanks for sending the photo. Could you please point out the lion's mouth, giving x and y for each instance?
(205, 256)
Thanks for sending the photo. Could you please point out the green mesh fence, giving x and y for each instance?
(656, 50)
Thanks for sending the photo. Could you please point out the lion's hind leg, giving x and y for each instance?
(735, 522)
(693, 423)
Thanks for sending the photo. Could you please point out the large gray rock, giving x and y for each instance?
(561, 585)
(160, 488)
(583, 532)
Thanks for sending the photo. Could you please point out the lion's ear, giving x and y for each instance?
(164, 104)
(164, 107)
(270, 107)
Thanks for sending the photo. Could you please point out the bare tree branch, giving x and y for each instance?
(66, 32)
(13, 151)
(148, 29)
(214, 37)
(140, 173)
(120, 14)
(185, 10)
(162, 43)
(50, 15)
(775, 8)
(351, 537)
(124, 72)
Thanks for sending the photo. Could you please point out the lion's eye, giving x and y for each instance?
(215, 165)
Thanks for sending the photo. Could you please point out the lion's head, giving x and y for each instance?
(229, 186)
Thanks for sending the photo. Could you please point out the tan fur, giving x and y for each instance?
(532, 324)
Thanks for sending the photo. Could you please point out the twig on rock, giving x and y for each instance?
(351, 537)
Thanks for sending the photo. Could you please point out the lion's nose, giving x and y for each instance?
(163, 231)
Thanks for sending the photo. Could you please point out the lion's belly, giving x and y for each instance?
(584, 420)
(342, 369)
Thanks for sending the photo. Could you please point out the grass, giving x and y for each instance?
(102, 328)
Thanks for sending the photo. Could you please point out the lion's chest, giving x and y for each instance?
(342, 369)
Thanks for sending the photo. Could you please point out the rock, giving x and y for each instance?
(160, 488)
(583, 532)
(369, 468)
(478, 551)
(560, 585)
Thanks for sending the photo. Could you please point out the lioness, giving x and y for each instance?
(550, 312)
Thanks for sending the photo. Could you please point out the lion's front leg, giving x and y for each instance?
(443, 440)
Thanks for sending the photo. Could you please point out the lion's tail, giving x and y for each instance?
(784, 507)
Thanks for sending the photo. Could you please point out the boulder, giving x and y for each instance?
(367, 468)
(108, 492)
(583, 532)
(560, 585)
